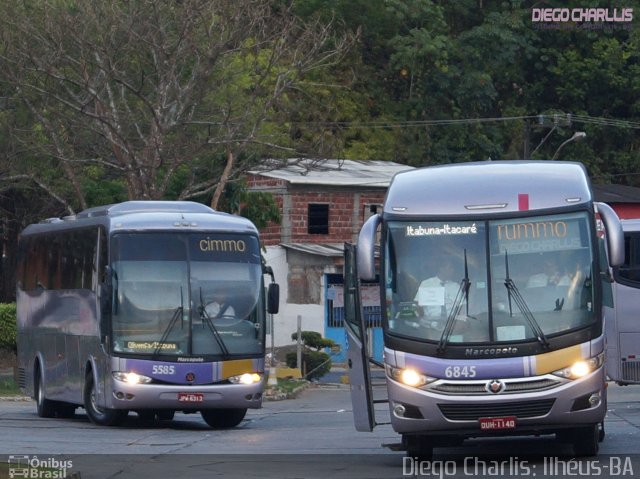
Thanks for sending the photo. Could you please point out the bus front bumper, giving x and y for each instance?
(574, 403)
(183, 397)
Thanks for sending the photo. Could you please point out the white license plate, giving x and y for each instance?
(190, 397)
(497, 423)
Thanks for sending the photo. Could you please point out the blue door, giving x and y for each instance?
(334, 317)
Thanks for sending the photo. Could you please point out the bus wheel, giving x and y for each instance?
(65, 410)
(223, 418)
(418, 447)
(147, 417)
(586, 440)
(45, 407)
(166, 414)
(98, 415)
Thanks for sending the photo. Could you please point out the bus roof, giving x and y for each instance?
(488, 187)
(630, 225)
(148, 215)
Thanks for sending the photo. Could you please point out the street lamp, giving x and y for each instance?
(577, 136)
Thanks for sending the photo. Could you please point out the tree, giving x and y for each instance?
(155, 93)
(444, 82)
(313, 339)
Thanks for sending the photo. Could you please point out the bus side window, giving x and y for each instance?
(40, 263)
(630, 270)
(21, 264)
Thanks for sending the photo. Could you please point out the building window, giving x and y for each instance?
(371, 209)
(318, 219)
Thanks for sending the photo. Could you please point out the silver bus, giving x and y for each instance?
(146, 306)
(491, 282)
(623, 325)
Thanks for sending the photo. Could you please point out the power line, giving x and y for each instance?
(569, 118)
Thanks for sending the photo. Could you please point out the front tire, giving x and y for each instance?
(223, 418)
(166, 415)
(98, 415)
(586, 441)
(418, 447)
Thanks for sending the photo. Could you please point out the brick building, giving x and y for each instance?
(323, 205)
(625, 200)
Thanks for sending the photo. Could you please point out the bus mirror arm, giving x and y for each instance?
(269, 270)
(606, 276)
(614, 234)
(365, 252)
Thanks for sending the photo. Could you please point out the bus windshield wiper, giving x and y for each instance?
(176, 314)
(513, 292)
(461, 294)
(207, 320)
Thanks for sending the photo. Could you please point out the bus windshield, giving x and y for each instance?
(496, 281)
(186, 294)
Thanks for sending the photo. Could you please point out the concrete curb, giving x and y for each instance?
(15, 398)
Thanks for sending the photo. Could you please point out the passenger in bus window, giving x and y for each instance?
(549, 275)
(436, 294)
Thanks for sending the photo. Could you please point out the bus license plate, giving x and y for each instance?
(190, 397)
(496, 423)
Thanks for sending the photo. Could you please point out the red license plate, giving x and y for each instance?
(190, 397)
(497, 423)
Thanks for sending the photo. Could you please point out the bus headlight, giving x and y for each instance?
(131, 378)
(246, 378)
(581, 368)
(408, 376)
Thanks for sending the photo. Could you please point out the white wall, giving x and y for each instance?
(286, 321)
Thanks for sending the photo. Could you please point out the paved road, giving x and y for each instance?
(312, 436)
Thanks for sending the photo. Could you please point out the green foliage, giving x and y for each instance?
(259, 207)
(475, 67)
(315, 364)
(313, 339)
(424, 61)
(8, 326)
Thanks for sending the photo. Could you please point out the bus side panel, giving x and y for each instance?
(612, 357)
(627, 315)
(26, 341)
(52, 325)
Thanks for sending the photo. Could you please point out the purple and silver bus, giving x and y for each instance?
(146, 306)
(493, 285)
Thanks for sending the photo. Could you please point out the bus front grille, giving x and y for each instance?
(631, 371)
(467, 388)
(474, 411)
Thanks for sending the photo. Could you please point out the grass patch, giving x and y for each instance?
(8, 387)
(287, 386)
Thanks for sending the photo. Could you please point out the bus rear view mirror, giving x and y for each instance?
(273, 298)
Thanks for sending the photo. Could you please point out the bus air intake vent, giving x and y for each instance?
(631, 371)
(474, 411)
(22, 378)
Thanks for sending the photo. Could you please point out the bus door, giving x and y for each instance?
(625, 342)
(357, 358)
